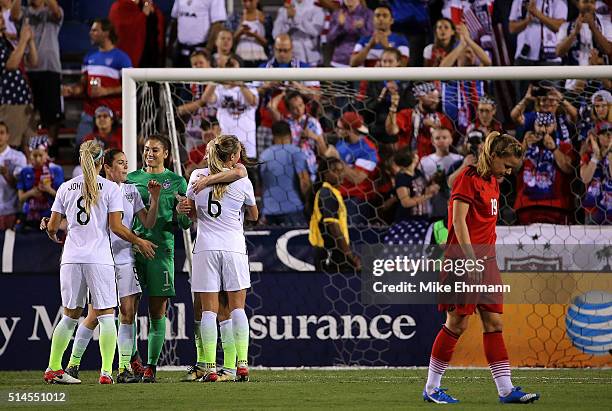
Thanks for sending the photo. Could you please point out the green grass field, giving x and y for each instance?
(308, 389)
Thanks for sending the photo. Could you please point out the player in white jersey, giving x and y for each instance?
(220, 260)
(115, 169)
(91, 205)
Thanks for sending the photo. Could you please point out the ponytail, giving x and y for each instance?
(501, 145)
(90, 155)
(219, 152)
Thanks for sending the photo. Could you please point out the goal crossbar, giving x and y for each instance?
(133, 75)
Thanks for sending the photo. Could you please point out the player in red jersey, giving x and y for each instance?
(472, 218)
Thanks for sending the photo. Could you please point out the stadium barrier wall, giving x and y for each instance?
(297, 318)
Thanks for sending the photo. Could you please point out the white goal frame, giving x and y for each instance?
(129, 78)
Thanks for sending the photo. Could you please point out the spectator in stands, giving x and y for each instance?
(38, 182)
(197, 109)
(194, 26)
(485, 120)
(547, 100)
(596, 172)
(306, 131)
(283, 58)
(599, 111)
(107, 132)
(236, 103)
(536, 23)
(141, 30)
(224, 45)
(329, 234)
(252, 33)
(209, 130)
(101, 76)
(368, 49)
(413, 125)
(435, 168)
(360, 158)
(379, 93)
(11, 163)
(479, 16)
(15, 95)
(445, 40)
(543, 184)
(46, 18)
(285, 179)
(412, 188)
(303, 21)
(10, 30)
(348, 24)
(460, 97)
(442, 159)
(577, 38)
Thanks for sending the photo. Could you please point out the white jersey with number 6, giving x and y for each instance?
(88, 238)
(220, 222)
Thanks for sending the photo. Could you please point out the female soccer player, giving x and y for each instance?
(91, 204)
(115, 169)
(157, 275)
(220, 258)
(472, 219)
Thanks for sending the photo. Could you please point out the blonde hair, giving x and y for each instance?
(502, 145)
(90, 155)
(219, 152)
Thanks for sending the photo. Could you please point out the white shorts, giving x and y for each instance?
(127, 280)
(99, 279)
(215, 271)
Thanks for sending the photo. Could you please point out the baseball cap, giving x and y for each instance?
(352, 120)
(602, 94)
(104, 110)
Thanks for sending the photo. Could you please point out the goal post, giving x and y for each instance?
(159, 100)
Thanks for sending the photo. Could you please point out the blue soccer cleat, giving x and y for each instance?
(439, 396)
(517, 396)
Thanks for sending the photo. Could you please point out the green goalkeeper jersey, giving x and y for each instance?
(162, 233)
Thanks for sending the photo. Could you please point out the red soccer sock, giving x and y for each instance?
(441, 354)
(497, 357)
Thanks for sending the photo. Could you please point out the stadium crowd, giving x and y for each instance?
(399, 144)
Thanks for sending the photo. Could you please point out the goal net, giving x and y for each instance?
(400, 132)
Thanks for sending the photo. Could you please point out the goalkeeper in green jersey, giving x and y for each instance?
(157, 275)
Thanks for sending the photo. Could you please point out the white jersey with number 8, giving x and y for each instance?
(88, 238)
(220, 221)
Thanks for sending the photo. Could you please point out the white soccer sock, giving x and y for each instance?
(435, 373)
(125, 342)
(240, 326)
(501, 375)
(227, 342)
(81, 340)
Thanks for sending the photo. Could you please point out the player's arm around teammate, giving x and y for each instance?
(220, 258)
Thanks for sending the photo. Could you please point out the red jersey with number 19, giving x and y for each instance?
(482, 195)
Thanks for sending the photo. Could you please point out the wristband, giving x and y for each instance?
(594, 159)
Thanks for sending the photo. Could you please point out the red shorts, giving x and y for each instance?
(494, 302)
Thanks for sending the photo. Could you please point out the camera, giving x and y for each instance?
(525, 50)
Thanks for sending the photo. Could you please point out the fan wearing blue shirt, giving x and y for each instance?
(285, 179)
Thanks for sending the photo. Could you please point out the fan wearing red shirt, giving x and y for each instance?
(472, 218)
(413, 125)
